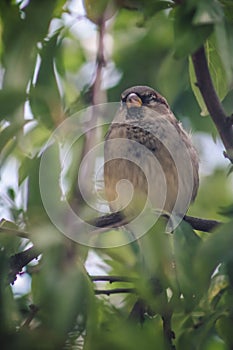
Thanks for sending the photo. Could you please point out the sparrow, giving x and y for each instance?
(149, 159)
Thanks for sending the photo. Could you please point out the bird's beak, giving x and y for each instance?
(133, 100)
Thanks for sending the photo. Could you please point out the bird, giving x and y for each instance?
(149, 159)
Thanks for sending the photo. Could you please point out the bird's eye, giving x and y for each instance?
(151, 98)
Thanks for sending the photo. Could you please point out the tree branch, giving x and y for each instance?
(111, 279)
(202, 224)
(117, 219)
(114, 291)
(168, 333)
(213, 104)
(19, 260)
(33, 311)
(15, 232)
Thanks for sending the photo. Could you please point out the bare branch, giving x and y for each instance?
(117, 219)
(14, 232)
(213, 104)
(19, 260)
(168, 333)
(114, 291)
(111, 279)
(202, 224)
(33, 311)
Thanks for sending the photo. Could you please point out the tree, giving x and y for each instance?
(51, 73)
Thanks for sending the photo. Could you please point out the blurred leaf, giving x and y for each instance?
(98, 11)
(70, 56)
(35, 208)
(228, 8)
(214, 192)
(9, 241)
(217, 72)
(227, 211)
(44, 97)
(218, 284)
(25, 168)
(66, 291)
(215, 250)
(20, 50)
(208, 11)
(151, 8)
(10, 132)
(196, 90)
(157, 255)
(224, 326)
(8, 310)
(10, 100)
(186, 244)
(31, 142)
(188, 36)
(224, 40)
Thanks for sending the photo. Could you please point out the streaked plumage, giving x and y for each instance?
(147, 146)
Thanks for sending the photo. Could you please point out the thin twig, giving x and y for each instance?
(92, 132)
(33, 311)
(114, 291)
(110, 220)
(14, 232)
(117, 219)
(111, 279)
(213, 104)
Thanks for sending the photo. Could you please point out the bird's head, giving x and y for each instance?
(137, 97)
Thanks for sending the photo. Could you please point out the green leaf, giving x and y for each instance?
(188, 36)
(10, 132)
(32, 141)
(224, 326)
(227, 211)
(35, 208)
(224, 47)
(10, 100)
(22, 30)
(217, 72)
(157, 255)
(186, 244)
(63, 291)
(228, 8)
(196, 90)
(150, 8)
(208, 12)
(215, 250)
(44, 97)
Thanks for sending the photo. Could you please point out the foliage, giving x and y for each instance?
(48, 72)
